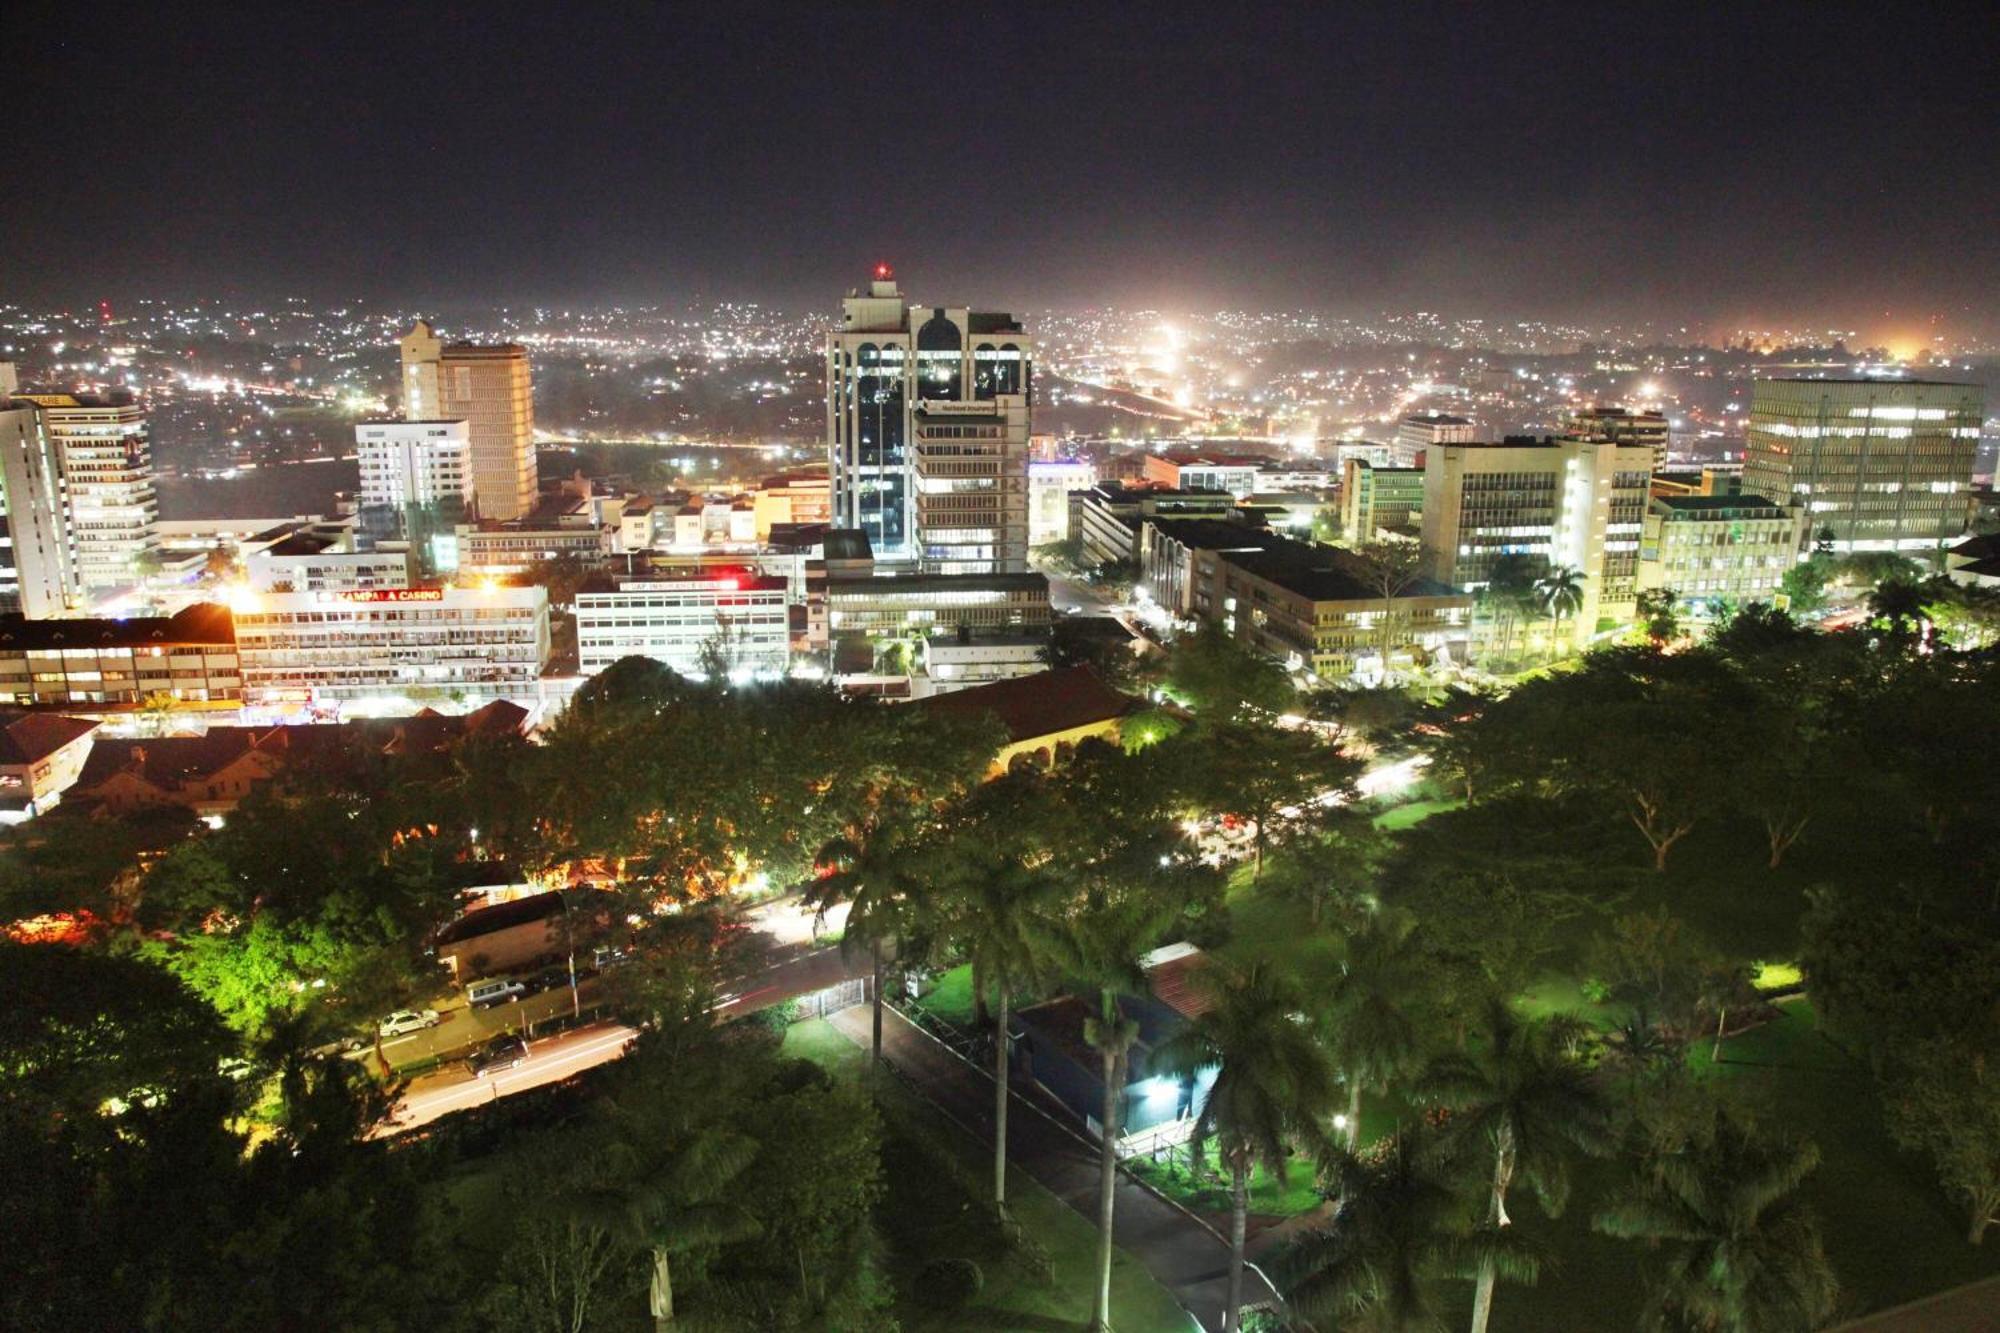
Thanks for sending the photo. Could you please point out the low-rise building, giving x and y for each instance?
(1105, 519)
(41, 755)
(344, 645)
(891, 605)
(188, 657)
(210, 774)
(957, 663)
(313, 562)
(1192, 471)
(740, 616)
(1716, 549)
(506, 937)
(498, 549)
(1050, 482)
(1044, 716)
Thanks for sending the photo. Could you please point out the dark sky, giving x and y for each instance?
(1750, 160)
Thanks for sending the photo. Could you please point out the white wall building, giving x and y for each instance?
(1049, 485)
(37, 578)
(1416, 433)
(303, 563)
(385, 641)
(742, 616)
(106, 462)
(406, 463)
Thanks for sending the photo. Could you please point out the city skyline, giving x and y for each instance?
(1605, 166)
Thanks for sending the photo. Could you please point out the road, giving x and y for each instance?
(795, 964)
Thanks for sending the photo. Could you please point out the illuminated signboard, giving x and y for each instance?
(385, 595)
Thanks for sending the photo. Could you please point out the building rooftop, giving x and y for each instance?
(304, 543)
(887, 584)
(1437, 419)
(203, 623)
(485, 920)
(1324, 573)
(1871, 382)
(28, 738)
(1042, 704)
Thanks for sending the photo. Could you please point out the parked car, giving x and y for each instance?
(409, 1020)
(549, 978)
(501, 1053)
(606, 955)
(494, 990)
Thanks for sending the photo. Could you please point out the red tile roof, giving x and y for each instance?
(1042, 704)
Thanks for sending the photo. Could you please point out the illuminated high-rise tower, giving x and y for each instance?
(109, 504)
(489, 388)
(36, 576)
(928, 415)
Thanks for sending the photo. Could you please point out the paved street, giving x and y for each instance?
(1185, 1256)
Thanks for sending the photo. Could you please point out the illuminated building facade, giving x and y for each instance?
(1718, 549)
(1049, 485)
(490, 389)
(344, 645)
(1416, 433)
(928, 418)
(106, 462)
(1564, 504)
(1373, 498)
(312, 562)
(1883, 465)
(189, 657)
(741, 617)
(36, 576)
(925, 603)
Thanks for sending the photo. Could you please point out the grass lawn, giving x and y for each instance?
(1414, 812)
(951, 998)
(932, 1212)
(1210, 1192)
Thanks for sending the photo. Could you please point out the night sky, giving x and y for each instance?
(1754, 161)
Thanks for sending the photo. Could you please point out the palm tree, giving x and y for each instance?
(1371, 1028)
(1110, 1032)
(1522, 1096)
(1560, 592)
(1274, 1082)
(1510, 588)
(1401, 1226)
(999, 912)
(1741, 1253)
(877, 883)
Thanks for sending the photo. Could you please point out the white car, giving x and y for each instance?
(409, 1020)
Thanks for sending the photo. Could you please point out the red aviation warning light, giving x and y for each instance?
(883, 273)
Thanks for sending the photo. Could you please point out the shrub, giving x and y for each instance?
(948, 1284)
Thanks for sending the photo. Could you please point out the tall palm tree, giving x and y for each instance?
(1274, 1084)
(1368, 1013)
(1402, 1226)
(1560, 592)
(877, 881)
(1740, 1252)
(1520, 1095)
(999, 913)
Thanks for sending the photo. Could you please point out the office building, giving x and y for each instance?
(1373, 498)
(36, 576)
(500, 549)
(106, 461)
(1880, 465)
(928, 418)
(734, 615)
(1418, 432)
(1105, 519)
(1623, 425)
(308, 646)
(415, 475)
(1191, 471)
(1049, 485)
(489, 388)
(1563, 504)
(189, 657)
(1717, 550)
(888, 605)
(1316, 608)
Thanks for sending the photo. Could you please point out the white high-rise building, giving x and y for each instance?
(36, 577)
(106, 464)
(1625, 426)
(406, 463)
(928, 417)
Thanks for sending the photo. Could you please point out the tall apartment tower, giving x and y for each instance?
(1623, 425)
(1884, 464)
(416, 483)
(488, 387)
(928, 414)
(106, 463)
(36, 577)
(1415, 434)
(1567, 503)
